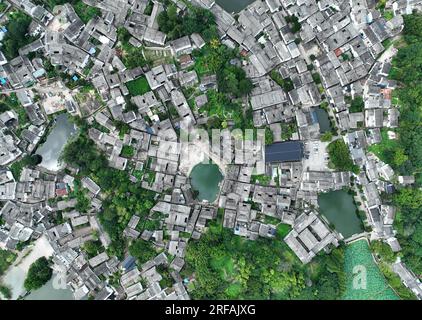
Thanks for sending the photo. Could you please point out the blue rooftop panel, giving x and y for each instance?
(284, 151)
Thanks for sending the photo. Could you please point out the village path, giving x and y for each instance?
(41, 89)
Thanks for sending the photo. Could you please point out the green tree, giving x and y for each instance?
(92, 248)
(399, 157)
(17, 34)
(39, 273)
(356, 105)
(327, 136)
(142, 250)
(194, 20)
(5, 291)
(409, 198)
(340, 156)
(384, 251)
(245, 86)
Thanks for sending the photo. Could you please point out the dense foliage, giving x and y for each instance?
(142, 250)
(408, 223)
(385, 257)
(232, 80)
(124, 198)
(407, 66)
(223, 105)
(286, 84)
(92, 248)
(227, 266)
(405, 155)
(17, 34)
(340, 156)
(178, 24)
(28, 160)
(39, 274)
(5, 291)
(83, 201)
(84, 11)
(356, 104)
(223, 61)
(6, 259)
(295, 25)
(131, 56)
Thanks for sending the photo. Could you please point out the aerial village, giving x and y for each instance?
(331, 54)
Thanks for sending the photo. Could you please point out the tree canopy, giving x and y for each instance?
(340, 156)
(405, 155)
(229, 267)
(124, 197)
(142, 250)
(195, 20)
(356, 105)
(17, 34)
(39, 274)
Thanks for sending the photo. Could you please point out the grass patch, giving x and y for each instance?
(385, 148)
(261, 179)
(138, 87)
(202, 66)
(86, 12)
(283, 230)
(127, 152)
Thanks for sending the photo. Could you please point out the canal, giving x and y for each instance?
(234, 5)
(339, 209)
(50, 150)
(205, 179)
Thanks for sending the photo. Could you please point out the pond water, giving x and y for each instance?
(340, 210)
(234, 5)
(323, 119)
(15, 276)
(363, 278)
(205, 179)
(48, 292)
(50, 150)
